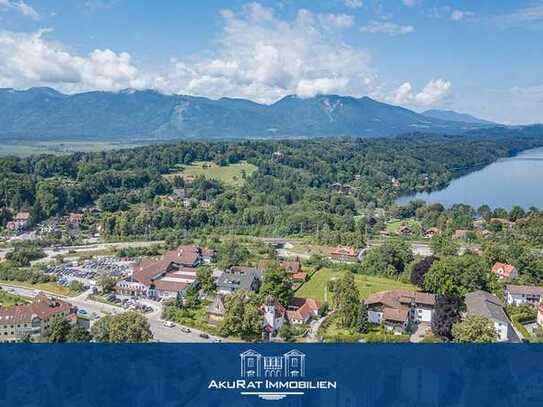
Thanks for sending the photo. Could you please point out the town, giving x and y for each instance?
(406, 284)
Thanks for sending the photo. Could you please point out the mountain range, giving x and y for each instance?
(456, 117)
(44, 113)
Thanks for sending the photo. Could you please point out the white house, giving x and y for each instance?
(523, 294)
(489, 306)
(274, 315)
(397, 309)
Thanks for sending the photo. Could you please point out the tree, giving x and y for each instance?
(474, 328)
(79, 334)
(205, 277)
(446, 314)
(129, 327)
(419, 270)
(444, 246)
(276, 282)
(347, 298)
(457, 275)
(242, 316)
(362, 323)
(59, 329)
(286, 333)
(232, 253)
(100, 329)
(390, 259)
(107, 283)
(485, 212)
(191, 297)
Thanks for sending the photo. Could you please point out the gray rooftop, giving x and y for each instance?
(485, 304)
(238, 280)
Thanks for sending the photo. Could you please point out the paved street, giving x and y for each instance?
(160, 332)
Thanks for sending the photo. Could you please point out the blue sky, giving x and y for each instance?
(482, 57)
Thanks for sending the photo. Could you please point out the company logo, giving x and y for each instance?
(290, 364)
(272, 377)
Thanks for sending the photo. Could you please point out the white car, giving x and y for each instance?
(169, 324)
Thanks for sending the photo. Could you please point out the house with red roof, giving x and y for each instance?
(294, 270)
(432, 232)
(75, 219)
(170, 274)
(20, 321)
(301, 310)
(398, 309)
(346, 254)
(505, 271)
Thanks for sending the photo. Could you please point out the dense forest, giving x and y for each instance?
(288, 194)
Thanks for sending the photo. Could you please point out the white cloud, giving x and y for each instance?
(434, 92)
(387, 27)
(457, 15)
(530, 17)
(32, 60)
(264, 57)
(353, 3)
(332, 21)
(20, 6)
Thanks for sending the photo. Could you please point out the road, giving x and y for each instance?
(160, 332)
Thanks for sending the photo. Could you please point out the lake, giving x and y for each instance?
(505, 183)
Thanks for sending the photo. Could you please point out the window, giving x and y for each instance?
(294, 362)
(250, 363)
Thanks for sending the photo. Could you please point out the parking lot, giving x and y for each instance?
(88, 271)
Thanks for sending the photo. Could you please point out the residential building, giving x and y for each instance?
(274, 315)
(216, 309)
(179, 193)
(405, 229)
(75, 219)
(301, 310)
(170, 274)
(432, 232)
(20, 221)
(33, 320)
(238, 278)
(398, 309)
(346, 254)
(294, 270)
(505, 271)
(488, 305)
(523, 294)
(209, 256)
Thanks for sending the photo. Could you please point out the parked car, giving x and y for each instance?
(186, 330)
(169, 324)
(205, 336)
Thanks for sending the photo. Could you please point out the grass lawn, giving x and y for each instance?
(333, 333)
(194, 318)
(316, 287)
(7, 299)
(51, 288)
(394, 226)
(230, 174)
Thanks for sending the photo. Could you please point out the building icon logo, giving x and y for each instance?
(290, 365)
(272, 377)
